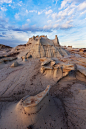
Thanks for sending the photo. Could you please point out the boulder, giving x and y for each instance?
(46, 62)
(81, 69)
(15, 64)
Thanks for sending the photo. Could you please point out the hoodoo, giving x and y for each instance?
(26, 102)
(44, 47)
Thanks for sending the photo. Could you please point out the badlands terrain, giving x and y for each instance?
(42, 85)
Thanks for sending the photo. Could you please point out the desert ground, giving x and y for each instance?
(42, 85)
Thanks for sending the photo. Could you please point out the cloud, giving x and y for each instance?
(11, 42)
(49, 21)
(40, 12)
(20, 3)
(17, 16)
(3, 9)
(27, 11)
(2, 26)
(54, 1)
(61, 14)
(47, 27)
(5, 1)
(3, 20)
(63, 4)
(28, 20)
(83, 12)
(71, 11)
(66, 26)
(54, 15)
(48, 12)
(26, 28)
(82, 6)
(2, 36)
(56, 26)
(33, 11)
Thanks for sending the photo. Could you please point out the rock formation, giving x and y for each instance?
(44, 47)
(26, 103)
(15, 64)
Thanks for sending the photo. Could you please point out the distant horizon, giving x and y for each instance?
(21, 19)
(35, 35)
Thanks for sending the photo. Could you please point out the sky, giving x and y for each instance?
(21, 19)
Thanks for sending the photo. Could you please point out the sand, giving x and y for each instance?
(63, 107)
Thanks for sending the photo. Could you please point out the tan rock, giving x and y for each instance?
(81, 69)
(53, 63)
(46, 62)
(24, 60)
(24, 57)
(28, 55)
(43, 59)
(32, 104)
(15, 64)
(44, 47)
(8, 59)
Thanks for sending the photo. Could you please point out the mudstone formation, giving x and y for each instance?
(44, 47)
(45, 87)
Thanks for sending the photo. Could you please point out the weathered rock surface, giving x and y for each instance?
(7, 59)
(15, 64)
(33, 111)
(24, 86)
(43, 47)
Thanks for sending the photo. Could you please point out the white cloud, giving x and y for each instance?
(82, 6)
(54, 15)
(27, 11)
(56, 25)
(71, 11)
(83, 12)
(63, 4)
(61, 14)
(48, 12)
(49, 21)
(20, 3)
(33, 11)
(17, 16)
(55, 1)
(66, 26)
(47, 27)
(40, 12)
(28, 20)
(25, 26)
(5, 1)
(3, 9)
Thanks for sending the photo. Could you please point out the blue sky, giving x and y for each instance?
(21, 19)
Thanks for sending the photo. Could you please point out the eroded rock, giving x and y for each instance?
(15, 64)
(44, 47)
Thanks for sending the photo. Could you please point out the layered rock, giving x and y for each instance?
(44, 47)
(25, 101)
(32, 112)
(56, 69)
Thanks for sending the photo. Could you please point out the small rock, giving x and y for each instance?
(28, 56)
(15, 64)
(53, 63)
(46, 62)
(24, 60)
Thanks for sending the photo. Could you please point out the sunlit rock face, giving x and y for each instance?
(44, 47)
(26, 103)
